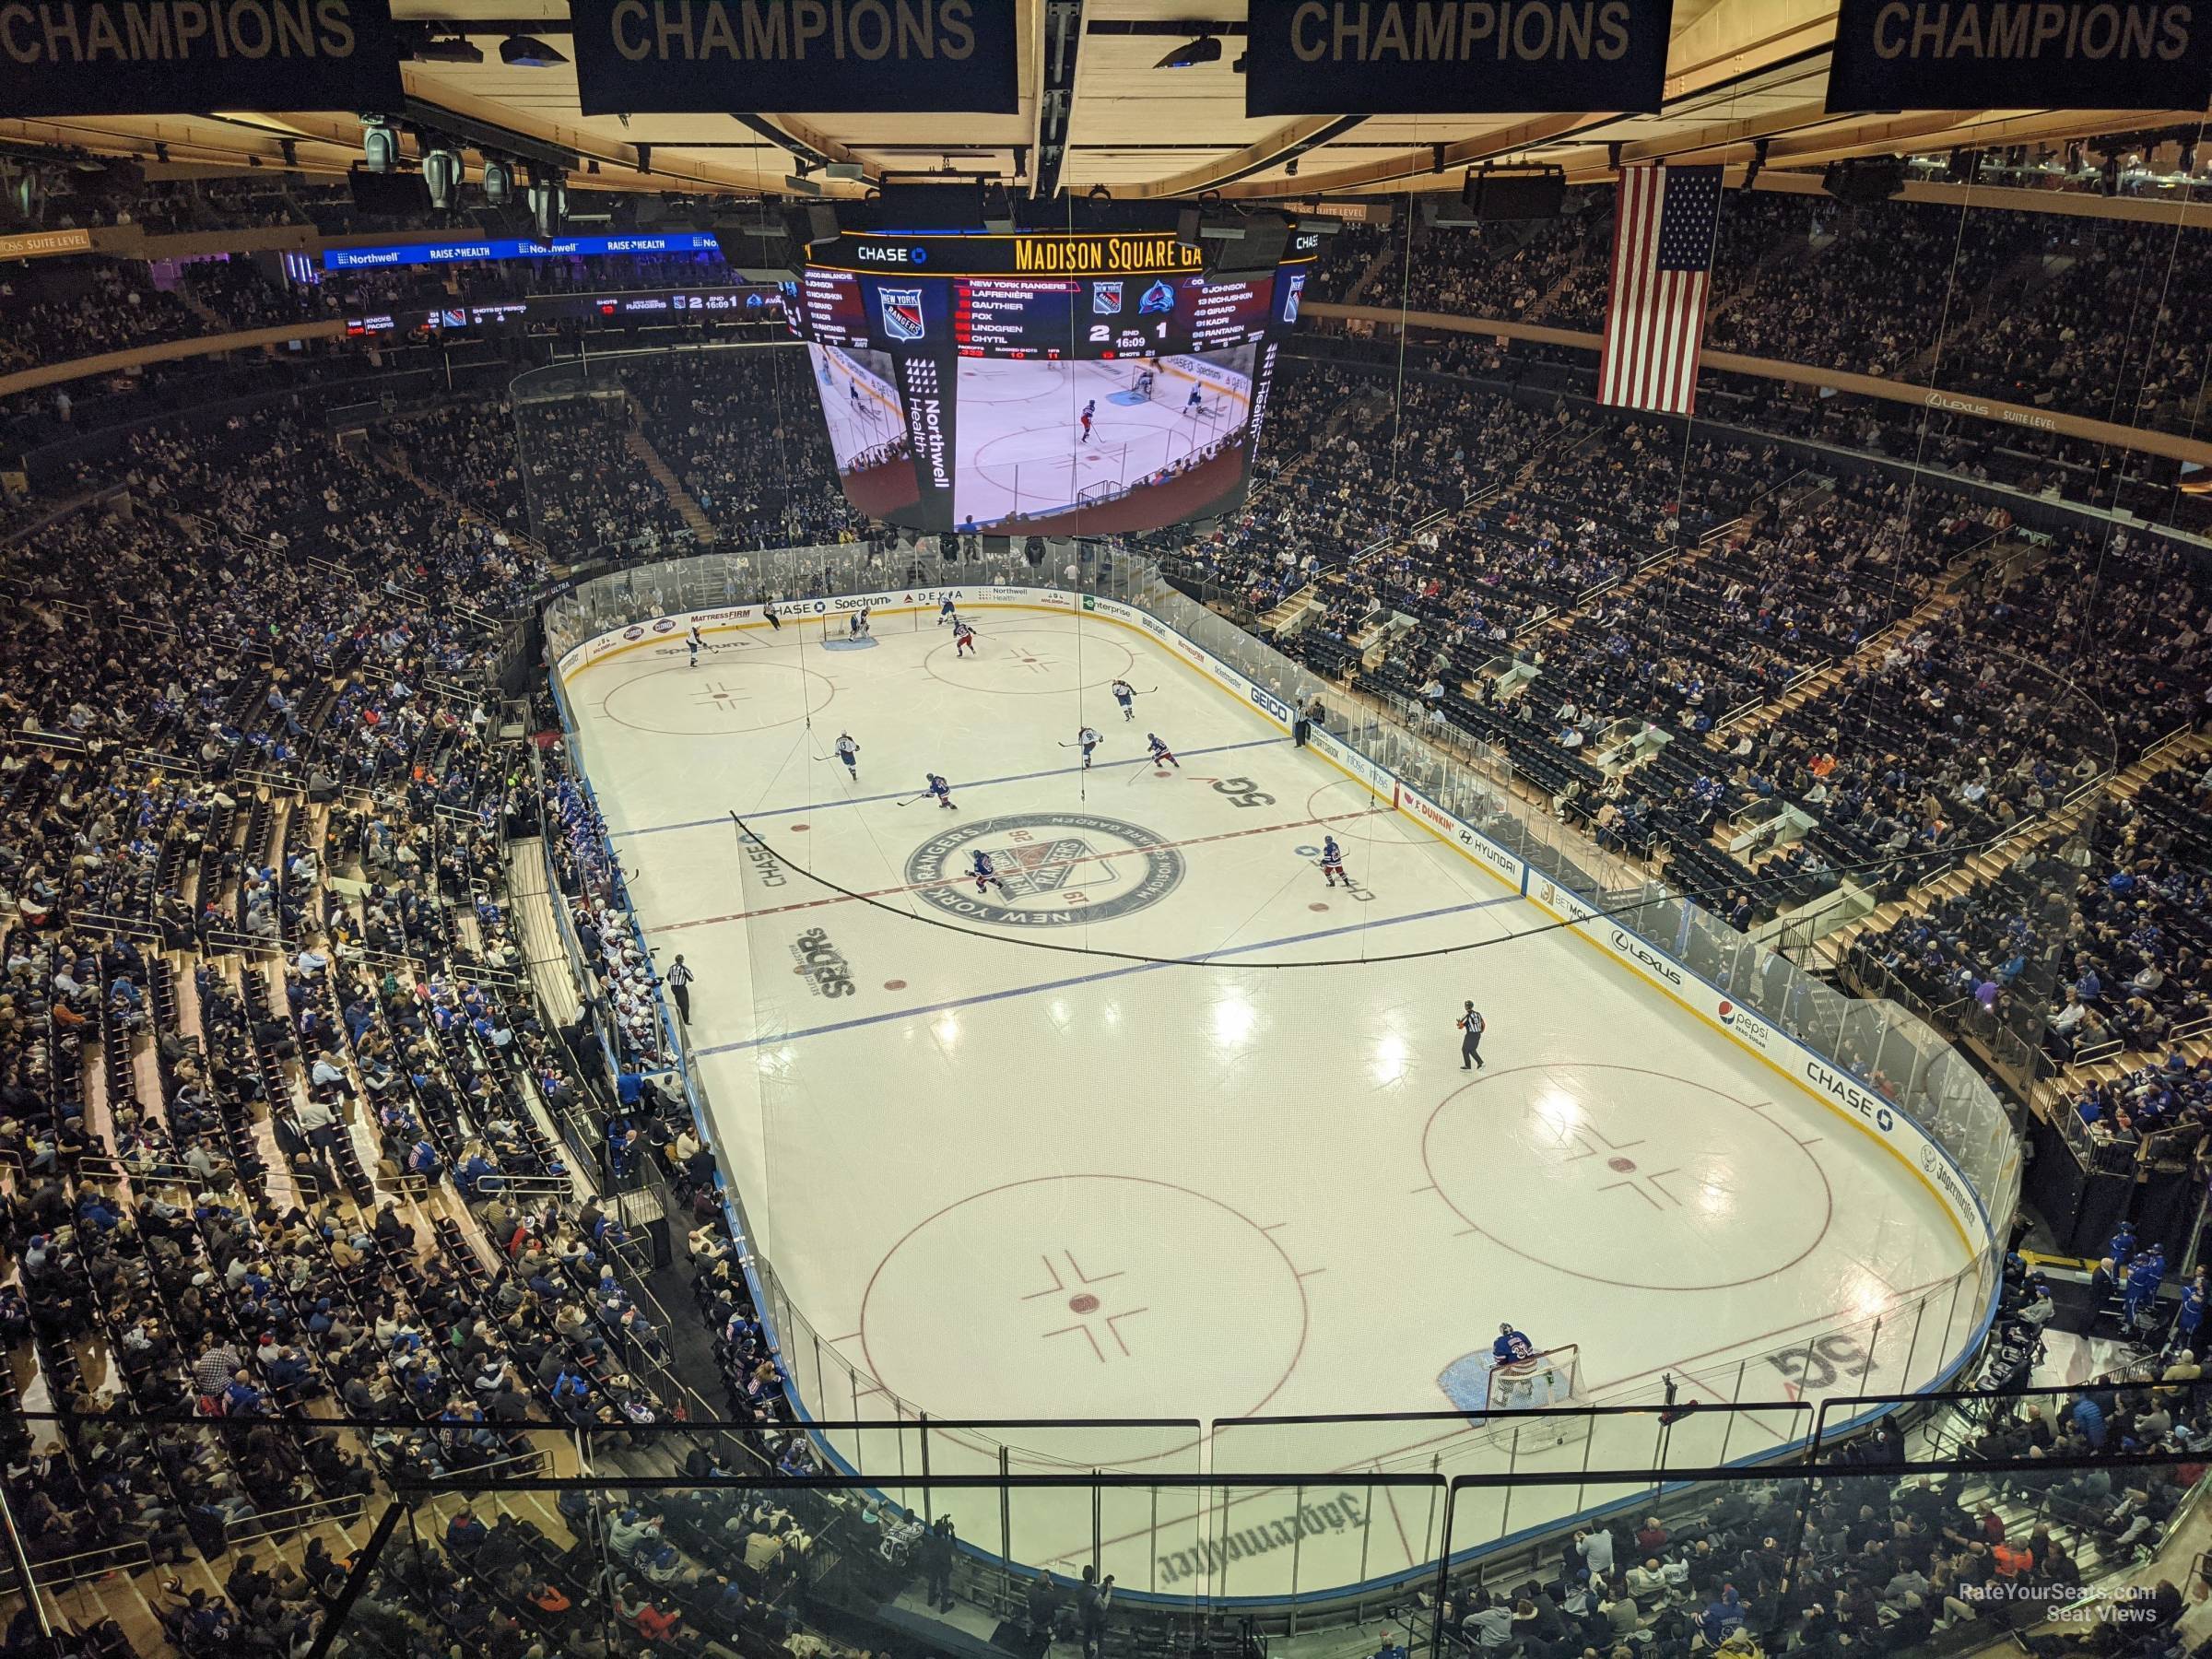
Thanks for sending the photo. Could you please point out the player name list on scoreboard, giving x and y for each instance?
(1019, 319)
(829, 303)
(1228, 313)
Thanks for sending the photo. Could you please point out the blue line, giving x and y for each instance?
(1089, 979)
(1218, 748)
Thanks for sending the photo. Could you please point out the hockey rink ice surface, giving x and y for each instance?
(1000, 1181)
(1017, 436)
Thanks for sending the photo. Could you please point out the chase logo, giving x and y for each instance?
(919, 257)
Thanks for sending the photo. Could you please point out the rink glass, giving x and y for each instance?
(1515, 1479)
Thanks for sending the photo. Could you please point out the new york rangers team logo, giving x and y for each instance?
(901, 313)
(1105, 299)
(1294, 296)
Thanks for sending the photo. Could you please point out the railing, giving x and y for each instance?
(1888, 1055)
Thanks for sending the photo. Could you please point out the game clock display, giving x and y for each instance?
(961, 395)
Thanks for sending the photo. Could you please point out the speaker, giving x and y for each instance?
(1251, 256)
(395, 194)
(1859, 183)
(997, 546)
(1033, 548)
(930, 207)
(1493, 195)
(759, 252)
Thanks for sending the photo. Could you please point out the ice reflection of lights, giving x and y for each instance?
(1389, 1065)
(1233, 1019)
(1560, 1112)
(947, 1029)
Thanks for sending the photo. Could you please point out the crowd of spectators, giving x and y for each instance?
(56, 309)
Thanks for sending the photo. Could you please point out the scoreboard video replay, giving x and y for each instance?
(919, 343)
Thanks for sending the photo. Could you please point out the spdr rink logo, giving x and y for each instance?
(1050, 869)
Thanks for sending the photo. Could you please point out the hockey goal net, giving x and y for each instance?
(1549, 1380)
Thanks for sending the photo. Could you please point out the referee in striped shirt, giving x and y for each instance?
(678, 981)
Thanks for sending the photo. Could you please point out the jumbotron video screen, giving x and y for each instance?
(1049, 384)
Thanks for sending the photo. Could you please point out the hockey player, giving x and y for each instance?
(1126, 694)
(1193, 406)
(849, 752)
(1088, 740)
(1512, 1345)
(1090, 409)
(1332, 863)
(2141, 1299)
(945, 612)
(693, 643)
(985, 873)
(1161, 754)
(963, 637)
(942, 790)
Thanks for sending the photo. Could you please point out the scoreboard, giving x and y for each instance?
(1054, 382)
(899, 292)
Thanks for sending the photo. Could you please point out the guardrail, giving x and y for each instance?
(1880, 1061)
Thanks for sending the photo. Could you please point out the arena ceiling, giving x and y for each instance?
(1097, 110)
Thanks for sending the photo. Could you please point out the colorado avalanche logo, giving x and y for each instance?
(901, 313)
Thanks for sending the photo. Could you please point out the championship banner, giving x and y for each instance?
(1983, 55)
(799, 57)
(1445, 57)
(174, 57)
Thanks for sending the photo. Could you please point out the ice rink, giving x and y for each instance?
(1005, 1173)
(1019, 444)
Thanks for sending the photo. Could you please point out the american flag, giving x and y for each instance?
(1664, 228)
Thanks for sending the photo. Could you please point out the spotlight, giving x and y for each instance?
(527, 52)
(380, 145)
(800, 184)
(548, 202)
(498, 181)
(441, 173)
(1290, 168)
(1204, 49)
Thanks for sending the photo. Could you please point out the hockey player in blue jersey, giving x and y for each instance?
(2144, 1275)
(1511, 1345)
(2188, 1317)
(1126, 694)
(942, 790)
(2123, 1247)
(1161, 754)
(1332, 862)
(985, 873)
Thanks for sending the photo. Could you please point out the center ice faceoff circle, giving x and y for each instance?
(1127, 1297)
(1050, 870)
(1670, 1185)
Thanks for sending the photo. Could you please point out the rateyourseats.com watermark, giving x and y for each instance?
(2019, 1603)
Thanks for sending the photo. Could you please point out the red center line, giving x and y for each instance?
(952, 880)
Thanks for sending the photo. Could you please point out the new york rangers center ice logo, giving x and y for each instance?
(1050, 869)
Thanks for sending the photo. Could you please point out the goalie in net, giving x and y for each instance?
(1524, 1378)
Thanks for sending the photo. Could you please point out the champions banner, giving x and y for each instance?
(797, 57)
(1982, 54)
(172, 57)
(1441, 58)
